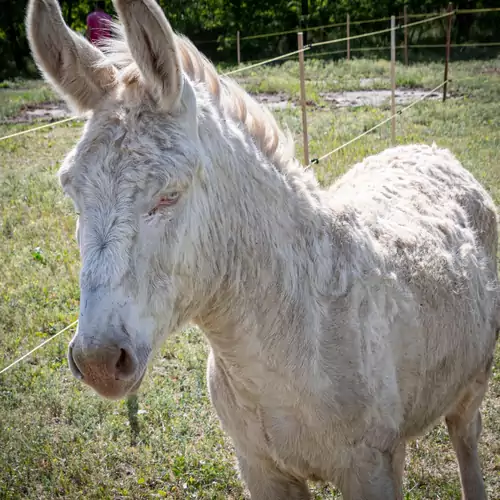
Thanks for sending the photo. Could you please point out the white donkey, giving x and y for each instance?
(342, 322)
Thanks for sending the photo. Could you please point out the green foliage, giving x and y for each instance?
(212, 24)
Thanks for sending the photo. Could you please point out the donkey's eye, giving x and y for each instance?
(167, 200)
(170, 197)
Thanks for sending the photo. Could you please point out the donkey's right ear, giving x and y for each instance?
(76, 68)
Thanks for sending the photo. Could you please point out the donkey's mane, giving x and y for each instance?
(227, 95)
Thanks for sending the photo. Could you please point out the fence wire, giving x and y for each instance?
(284, 56)
(313, 162)
(343, 24)
(38, 347)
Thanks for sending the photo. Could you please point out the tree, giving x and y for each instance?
(212, 24)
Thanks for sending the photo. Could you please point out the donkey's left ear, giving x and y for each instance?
(151, 42)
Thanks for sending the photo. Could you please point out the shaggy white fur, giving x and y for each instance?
(343, 322)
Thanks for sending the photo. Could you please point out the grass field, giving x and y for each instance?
(57, 438)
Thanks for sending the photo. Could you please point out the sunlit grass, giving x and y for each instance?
(59, 440)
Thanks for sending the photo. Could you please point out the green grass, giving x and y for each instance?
(59, 440)
(15, 94)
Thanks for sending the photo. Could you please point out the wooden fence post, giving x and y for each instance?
(393, 79)
(303, 97)
(348, 33)
(405, 20)
(448, 48)
(238, 46)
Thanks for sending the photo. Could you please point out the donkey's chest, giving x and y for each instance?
(306, 445)
(301, 436)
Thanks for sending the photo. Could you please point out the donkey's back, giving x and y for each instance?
(427, 298)
(429, 181)
(433, 228)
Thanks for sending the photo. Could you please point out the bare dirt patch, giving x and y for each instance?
(375, 97)
(50, 111)
(491, 71)
(53, 111)
(281, 100)
(345, 99)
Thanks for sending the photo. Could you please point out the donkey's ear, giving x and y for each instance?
(76, 68)
(151, 42)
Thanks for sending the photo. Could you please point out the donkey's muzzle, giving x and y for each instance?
(110, 368)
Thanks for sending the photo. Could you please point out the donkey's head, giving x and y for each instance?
(136, 179)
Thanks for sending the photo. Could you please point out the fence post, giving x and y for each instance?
(405, 20)
(448, 48)
(393, 79)
(238, 46)
(303, 97)
(348, 33)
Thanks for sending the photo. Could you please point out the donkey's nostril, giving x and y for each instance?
(99, 363)
(125, 366)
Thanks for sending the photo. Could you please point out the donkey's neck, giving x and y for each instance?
(278, 245)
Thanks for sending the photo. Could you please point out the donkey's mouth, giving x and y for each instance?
(107, 387)
(115, 389)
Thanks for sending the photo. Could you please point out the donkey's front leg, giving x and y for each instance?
(266, 482)
(371, 477)
(263, 479)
